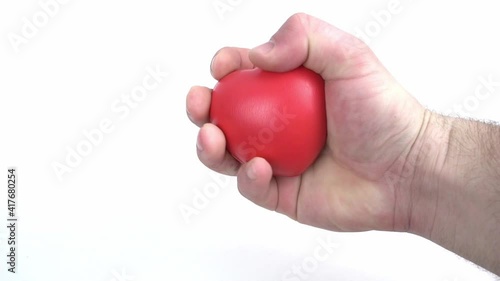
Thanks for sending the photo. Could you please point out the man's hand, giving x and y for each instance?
(372, 123)
(388, 163)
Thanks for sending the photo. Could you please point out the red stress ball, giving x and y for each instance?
(277, 116)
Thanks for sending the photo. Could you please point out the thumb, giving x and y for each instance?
(319, 46)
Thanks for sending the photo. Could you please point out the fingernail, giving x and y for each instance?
(264, 48)
(251, 173)
(198, 144)
(212, 63)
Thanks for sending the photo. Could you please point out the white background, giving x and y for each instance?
(116, 215)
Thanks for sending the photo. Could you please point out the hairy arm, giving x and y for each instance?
(455, 198)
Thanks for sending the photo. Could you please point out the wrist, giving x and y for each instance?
(455, 190)
(427, 161)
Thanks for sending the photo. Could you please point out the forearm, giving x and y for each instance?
(456, 189)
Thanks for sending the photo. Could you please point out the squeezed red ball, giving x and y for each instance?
(277, 116)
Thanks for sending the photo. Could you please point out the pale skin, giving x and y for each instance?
(388, 163)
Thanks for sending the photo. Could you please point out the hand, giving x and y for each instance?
(372, 125)
(388, 163)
